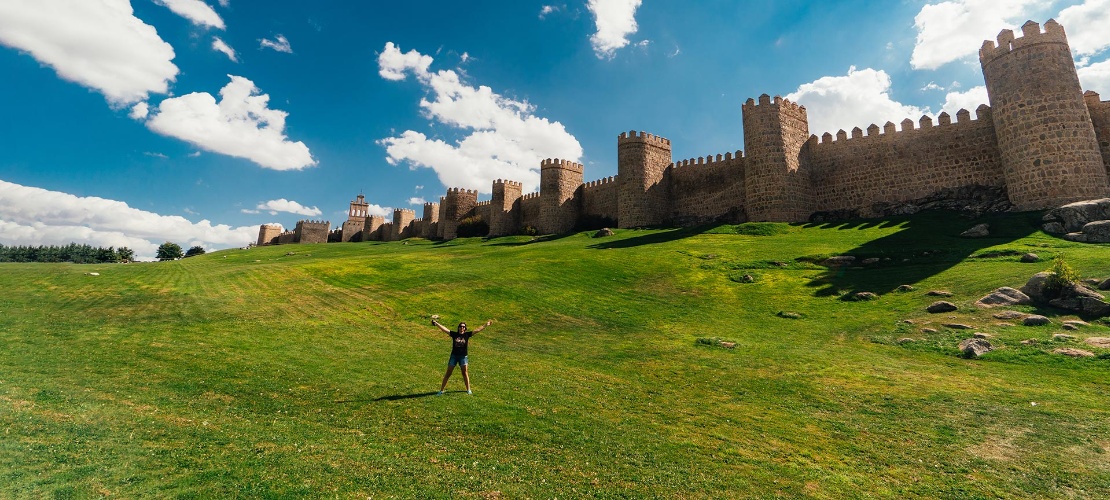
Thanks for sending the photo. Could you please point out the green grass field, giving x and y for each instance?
(309, 370)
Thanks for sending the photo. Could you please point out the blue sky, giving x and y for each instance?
(194, 121)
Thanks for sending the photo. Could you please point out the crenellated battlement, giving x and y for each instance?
(404, 211)
(708, 160)
(777, 102)
(633, 136)
(601, 182)
(482, 203)
(530, 196)
(1031, 34)
(314, 222)
(507, 183)
(463, 191)
(561, 164)
(888, 130)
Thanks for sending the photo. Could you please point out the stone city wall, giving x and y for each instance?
(889, 165)
(707, 189)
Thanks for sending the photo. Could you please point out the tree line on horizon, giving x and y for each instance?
(88, 254)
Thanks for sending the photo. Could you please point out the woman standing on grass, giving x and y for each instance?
(460, 340)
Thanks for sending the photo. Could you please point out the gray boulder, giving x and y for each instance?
(1035, 287)
(1072, 217)
(603, 232)
(1004, 296)
(839, 261)
(977, 231)
(1073, 352)
(973, 348)
(941, 306)
(1097, 231)
(1030, 257)
(1105, 285)
(1035, 320)
(1076, 237)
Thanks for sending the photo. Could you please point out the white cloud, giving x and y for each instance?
(194, 154)
(139, 111)
(506, 139)
(615, 20)
(225, 3)
(196, 11)
(35, 216)
(969, 100)
(380, 211)
(955, 29)
(416, 201)
(1086, 25)
(550, 9)
(240, 125)
(418, 188)
(931, 86)
(858, 99)
(288, 206)
(279, 43)
(155, 155)
(394, 65)
(99, 44)
(249, 211)
(1096, 77)
(220, 46)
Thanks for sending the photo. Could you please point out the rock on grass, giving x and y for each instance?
(941, 306)
(973, 348)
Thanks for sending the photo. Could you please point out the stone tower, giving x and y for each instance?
(559, 180)
(402, 217)
(504, 212)
(431, 220)
(267, 233)
(642, 160)
(356, 220)
(1050, 156)
(312, 231)
(776, 184)
(455, 206)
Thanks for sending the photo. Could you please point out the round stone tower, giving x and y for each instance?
(559, 181)
(1050, 155)
(642, 161)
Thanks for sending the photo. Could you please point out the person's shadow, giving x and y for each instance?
(392, 397)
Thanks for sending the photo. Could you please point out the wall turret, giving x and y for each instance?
(642, 161)
(402, 218)
(312, 231)
(431, 220)
(505, 208)
(267, 233)
(1050, 155)
(559, 181)
(456, 204)
(776, 182)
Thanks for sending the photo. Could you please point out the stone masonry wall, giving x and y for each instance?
(504, 216)
(530, 210)
(1100, 117)
(456, 205)
(1049, 151)
(776, 187)
(707, 190)
(559, 181)
(599, 199)
(642, 160)
(267, 233)
(312, 231)
(894, 166)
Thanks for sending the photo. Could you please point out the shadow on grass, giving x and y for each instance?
(392, 397)
(927, 244)
(653, 238)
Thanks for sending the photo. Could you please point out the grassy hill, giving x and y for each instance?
(309, 370)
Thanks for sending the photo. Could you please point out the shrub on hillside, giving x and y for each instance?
(473, 226)
(1062, 275)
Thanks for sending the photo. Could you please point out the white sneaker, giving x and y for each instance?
(468, 391)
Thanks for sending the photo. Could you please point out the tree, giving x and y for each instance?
(169, 251)
(197, 250)
(125, 254)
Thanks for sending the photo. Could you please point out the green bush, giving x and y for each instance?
(472, 226)
(1062, 275)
